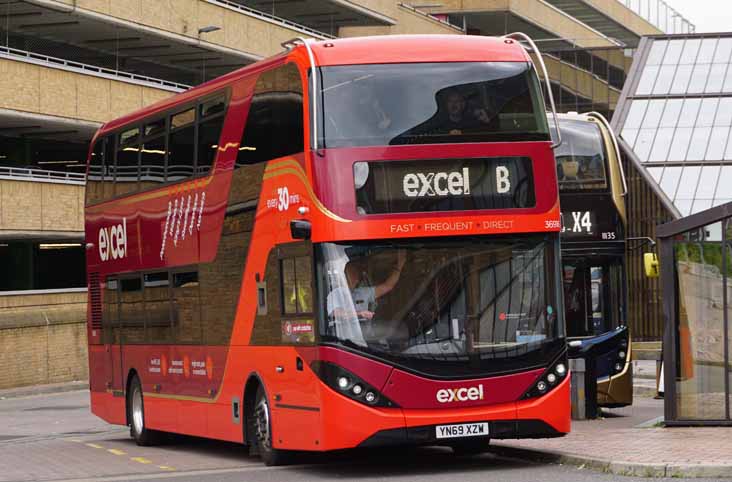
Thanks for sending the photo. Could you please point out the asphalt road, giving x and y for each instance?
(55, 437)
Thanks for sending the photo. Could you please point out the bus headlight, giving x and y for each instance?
(548, 380)
(360, 174)
(349, 385)
(621, 354)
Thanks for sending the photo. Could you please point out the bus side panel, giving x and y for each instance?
(293, 397)
(553, 408)
(108, 407)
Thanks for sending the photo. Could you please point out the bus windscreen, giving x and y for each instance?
(427, 103)
(436, 305)
(581, 157)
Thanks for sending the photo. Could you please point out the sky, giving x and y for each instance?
(707, 15)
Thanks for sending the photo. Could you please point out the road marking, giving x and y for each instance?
(76, 440)
(141, 460)
(94, 446)
(116, 452)
(165, 467)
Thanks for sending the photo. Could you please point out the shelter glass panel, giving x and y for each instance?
(680, 145)
(716, 78)
(671, 113)
(708, 182)
(691, 50)
(681, 80)
(689, 180)
(658, 49)
(700, 390)
(648, 79)
(724, 51)
(698, 145)
(670, 180)
(673, 52)
(699, 78)
(717, 143)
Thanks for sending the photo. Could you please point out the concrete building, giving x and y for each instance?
(66, 66)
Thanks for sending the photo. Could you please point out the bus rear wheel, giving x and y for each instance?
(263, 432)
(136, 415)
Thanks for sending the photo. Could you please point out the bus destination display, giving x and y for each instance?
(590, 218)
(444, 185)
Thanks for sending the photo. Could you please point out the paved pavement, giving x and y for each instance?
(54, 437)
(630, 441)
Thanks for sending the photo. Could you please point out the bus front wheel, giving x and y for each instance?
(263, 432)
(136, 415)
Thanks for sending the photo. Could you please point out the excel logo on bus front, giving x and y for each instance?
(113, 241)
(463, 394)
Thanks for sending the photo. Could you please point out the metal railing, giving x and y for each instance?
(661, 15)
(70, 65)
(430, 16)
(27, 174)
(271, 18)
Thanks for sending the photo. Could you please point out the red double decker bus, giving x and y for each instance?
(374, 264)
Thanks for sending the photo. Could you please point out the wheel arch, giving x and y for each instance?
(254, 381)
(130, 376)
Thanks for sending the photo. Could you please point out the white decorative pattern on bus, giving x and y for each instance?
(182, 219)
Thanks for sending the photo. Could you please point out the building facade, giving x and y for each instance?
(67, 66)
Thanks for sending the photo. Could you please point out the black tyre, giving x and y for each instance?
(470, 447)
(262, 418)
(136, 417)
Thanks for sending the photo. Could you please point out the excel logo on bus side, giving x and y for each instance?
(113, 241)
(463, 394)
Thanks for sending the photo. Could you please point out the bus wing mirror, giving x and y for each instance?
(650, 262)
(300, 229)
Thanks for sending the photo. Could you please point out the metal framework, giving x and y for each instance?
(669, 234)
(535, 49)
(22, 174)
(270, 18)
(78, 67)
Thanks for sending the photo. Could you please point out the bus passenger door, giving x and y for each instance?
(289, 325)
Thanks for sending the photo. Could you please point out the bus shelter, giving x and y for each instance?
(696, 270)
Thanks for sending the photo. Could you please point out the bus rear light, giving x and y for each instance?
(349, 385)
(548, 380)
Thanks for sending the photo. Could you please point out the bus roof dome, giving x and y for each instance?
(417, 48)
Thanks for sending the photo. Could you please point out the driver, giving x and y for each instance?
(359, 297)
